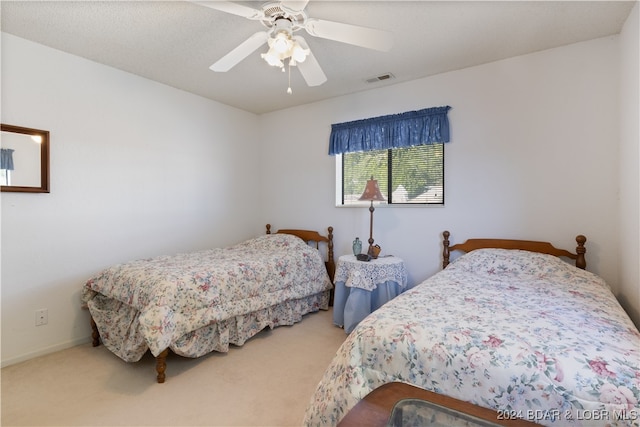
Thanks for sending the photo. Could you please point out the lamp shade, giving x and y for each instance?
(372, 191)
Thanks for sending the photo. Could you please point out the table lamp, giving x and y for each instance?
(372, 192)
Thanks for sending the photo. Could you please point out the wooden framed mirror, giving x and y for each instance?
(24, 160)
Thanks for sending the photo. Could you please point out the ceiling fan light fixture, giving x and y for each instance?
(273, 58)
(283, 47)
(298, 54)
(281, 43)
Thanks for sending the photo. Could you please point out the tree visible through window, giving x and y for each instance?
(411, 175)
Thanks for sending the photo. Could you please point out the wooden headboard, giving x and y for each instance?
(527, 245)
(314, 236)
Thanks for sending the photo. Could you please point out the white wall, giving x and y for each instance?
(533, 155)
(629, 289)
(137, 169)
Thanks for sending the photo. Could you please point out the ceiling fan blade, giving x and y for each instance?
(310, 68)
(351, 34)
(293, 6)
(233, 8)
(239, 53)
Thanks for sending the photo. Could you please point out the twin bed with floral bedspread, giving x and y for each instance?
(521, 332)
(199, 302)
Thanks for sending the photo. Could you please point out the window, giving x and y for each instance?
(403, 152)
(5, 176)
(406, 176)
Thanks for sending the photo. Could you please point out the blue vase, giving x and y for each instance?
(357, 247)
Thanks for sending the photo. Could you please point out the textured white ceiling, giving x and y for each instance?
(175, 42)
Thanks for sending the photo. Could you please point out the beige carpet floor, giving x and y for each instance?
(266, 382)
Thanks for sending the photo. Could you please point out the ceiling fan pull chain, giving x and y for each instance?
(289, 91)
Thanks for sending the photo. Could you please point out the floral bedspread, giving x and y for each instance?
(161, 299)
(525, 334)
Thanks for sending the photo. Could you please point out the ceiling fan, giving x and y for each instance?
(282, 20)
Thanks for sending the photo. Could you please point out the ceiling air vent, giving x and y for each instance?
(387, 76)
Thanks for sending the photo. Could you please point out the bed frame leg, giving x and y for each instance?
(161, 365)
(95, 335)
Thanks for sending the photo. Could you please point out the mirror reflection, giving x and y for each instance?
(24, 159)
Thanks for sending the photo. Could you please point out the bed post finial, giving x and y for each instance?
(581, 262)
(268, 228)
(445, 250)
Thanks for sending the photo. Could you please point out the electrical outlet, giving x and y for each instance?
(42, 317)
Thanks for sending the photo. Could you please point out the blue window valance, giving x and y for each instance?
(427, 126)
(6, 159)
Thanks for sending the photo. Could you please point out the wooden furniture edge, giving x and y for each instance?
(375, 409)
(527, 245)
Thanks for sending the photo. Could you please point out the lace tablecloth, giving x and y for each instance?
(368, 275)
